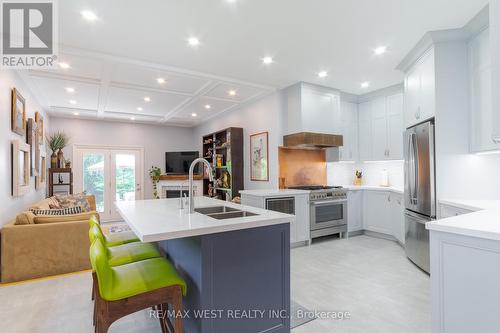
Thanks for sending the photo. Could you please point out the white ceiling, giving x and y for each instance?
(304, 37)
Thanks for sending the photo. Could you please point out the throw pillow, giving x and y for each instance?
(25, 218)
(62, 211)
(53, 203)
(73, 200)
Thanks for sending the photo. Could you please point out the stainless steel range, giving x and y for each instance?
(328, 209)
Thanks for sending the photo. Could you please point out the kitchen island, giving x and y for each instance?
(465, 269)
(237, 267)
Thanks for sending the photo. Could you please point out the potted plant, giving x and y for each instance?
(154, 174)
(57, 141)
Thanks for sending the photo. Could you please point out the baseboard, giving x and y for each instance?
(299, 244)
(356, 233)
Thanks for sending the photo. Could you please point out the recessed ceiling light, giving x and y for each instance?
(89, 15)
(139, 109)
(232, 92)
(267, 60)
(380, 50)
(193, 41)
(231, 1)
(365, 84)
(64, 65)
(323, 74)
(147, 99)
(70, 90)
(208, 106)
(194, 115)
(160, 80)
(72, 101)
(76, 113)
(132, 118)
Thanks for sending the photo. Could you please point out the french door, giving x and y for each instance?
(111, 174)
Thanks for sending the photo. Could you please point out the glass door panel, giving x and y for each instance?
(94, 177)
(125, 183)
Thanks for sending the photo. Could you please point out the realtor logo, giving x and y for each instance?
(29, 34)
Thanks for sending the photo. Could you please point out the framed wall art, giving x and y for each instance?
(32, 142)
(259, 156)
(41, 178)
(40, 128)
(20, 168)
(18, 113)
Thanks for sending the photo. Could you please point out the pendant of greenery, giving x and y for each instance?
(154, 174)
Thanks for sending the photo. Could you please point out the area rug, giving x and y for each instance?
(296, 320)
(111, 228)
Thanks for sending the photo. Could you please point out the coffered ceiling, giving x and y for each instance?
(114, 88)
(117, 56)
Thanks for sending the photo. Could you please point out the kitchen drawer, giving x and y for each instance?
(450, 211)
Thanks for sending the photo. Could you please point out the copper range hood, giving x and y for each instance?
(312, 140)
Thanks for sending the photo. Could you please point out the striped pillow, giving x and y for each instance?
(62, 211)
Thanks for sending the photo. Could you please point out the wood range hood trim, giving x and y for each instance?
(312, 140)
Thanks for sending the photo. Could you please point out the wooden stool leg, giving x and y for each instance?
(177, 304)
(162, 313)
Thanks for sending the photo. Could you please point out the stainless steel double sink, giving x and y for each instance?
(223, 212)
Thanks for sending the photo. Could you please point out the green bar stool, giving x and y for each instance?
(118, 238)
(125, 253)
(133, 287)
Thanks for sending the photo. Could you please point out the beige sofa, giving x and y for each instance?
(37, 246)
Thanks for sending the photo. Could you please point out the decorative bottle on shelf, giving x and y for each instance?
(60, 159)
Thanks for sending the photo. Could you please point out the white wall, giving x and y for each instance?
(342, 173)
(260, 116)
(10, 206)
(155, 140)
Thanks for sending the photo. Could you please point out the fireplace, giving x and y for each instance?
(174, 191)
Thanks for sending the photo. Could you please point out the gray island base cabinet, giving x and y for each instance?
(242, 277)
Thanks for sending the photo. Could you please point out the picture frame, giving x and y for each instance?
(20, 168)
(259, 156)
(40, 128)
(18, 113)
(32, 142)
(41, 178)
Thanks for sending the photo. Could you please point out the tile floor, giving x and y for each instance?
(368, 277)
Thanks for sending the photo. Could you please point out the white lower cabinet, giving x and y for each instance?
(397, 216)
(354, 207)
(376, 212)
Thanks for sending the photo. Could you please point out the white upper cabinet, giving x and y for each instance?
(381, 128)
(480, 72)
(349, 130)
(495, 64)
(420, 90)
(365, 132)
(395, 127)
(320, 110)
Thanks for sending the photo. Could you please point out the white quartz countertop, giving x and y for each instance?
(156, 220)
(395, 189)
(474, 205)
(484, 222)
(273, 192)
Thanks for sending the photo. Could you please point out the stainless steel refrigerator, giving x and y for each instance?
(420, 191)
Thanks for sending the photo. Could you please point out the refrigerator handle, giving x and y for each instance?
(410, 171)
(415, 168)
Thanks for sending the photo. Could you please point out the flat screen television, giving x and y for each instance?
(178, 162)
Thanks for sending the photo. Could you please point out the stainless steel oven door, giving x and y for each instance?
(328, 213)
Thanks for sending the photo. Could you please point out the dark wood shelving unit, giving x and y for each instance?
(56, 187)
(227, 143)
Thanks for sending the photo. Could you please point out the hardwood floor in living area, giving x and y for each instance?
(369, 277)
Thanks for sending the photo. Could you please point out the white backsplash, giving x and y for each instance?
(342, 173)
